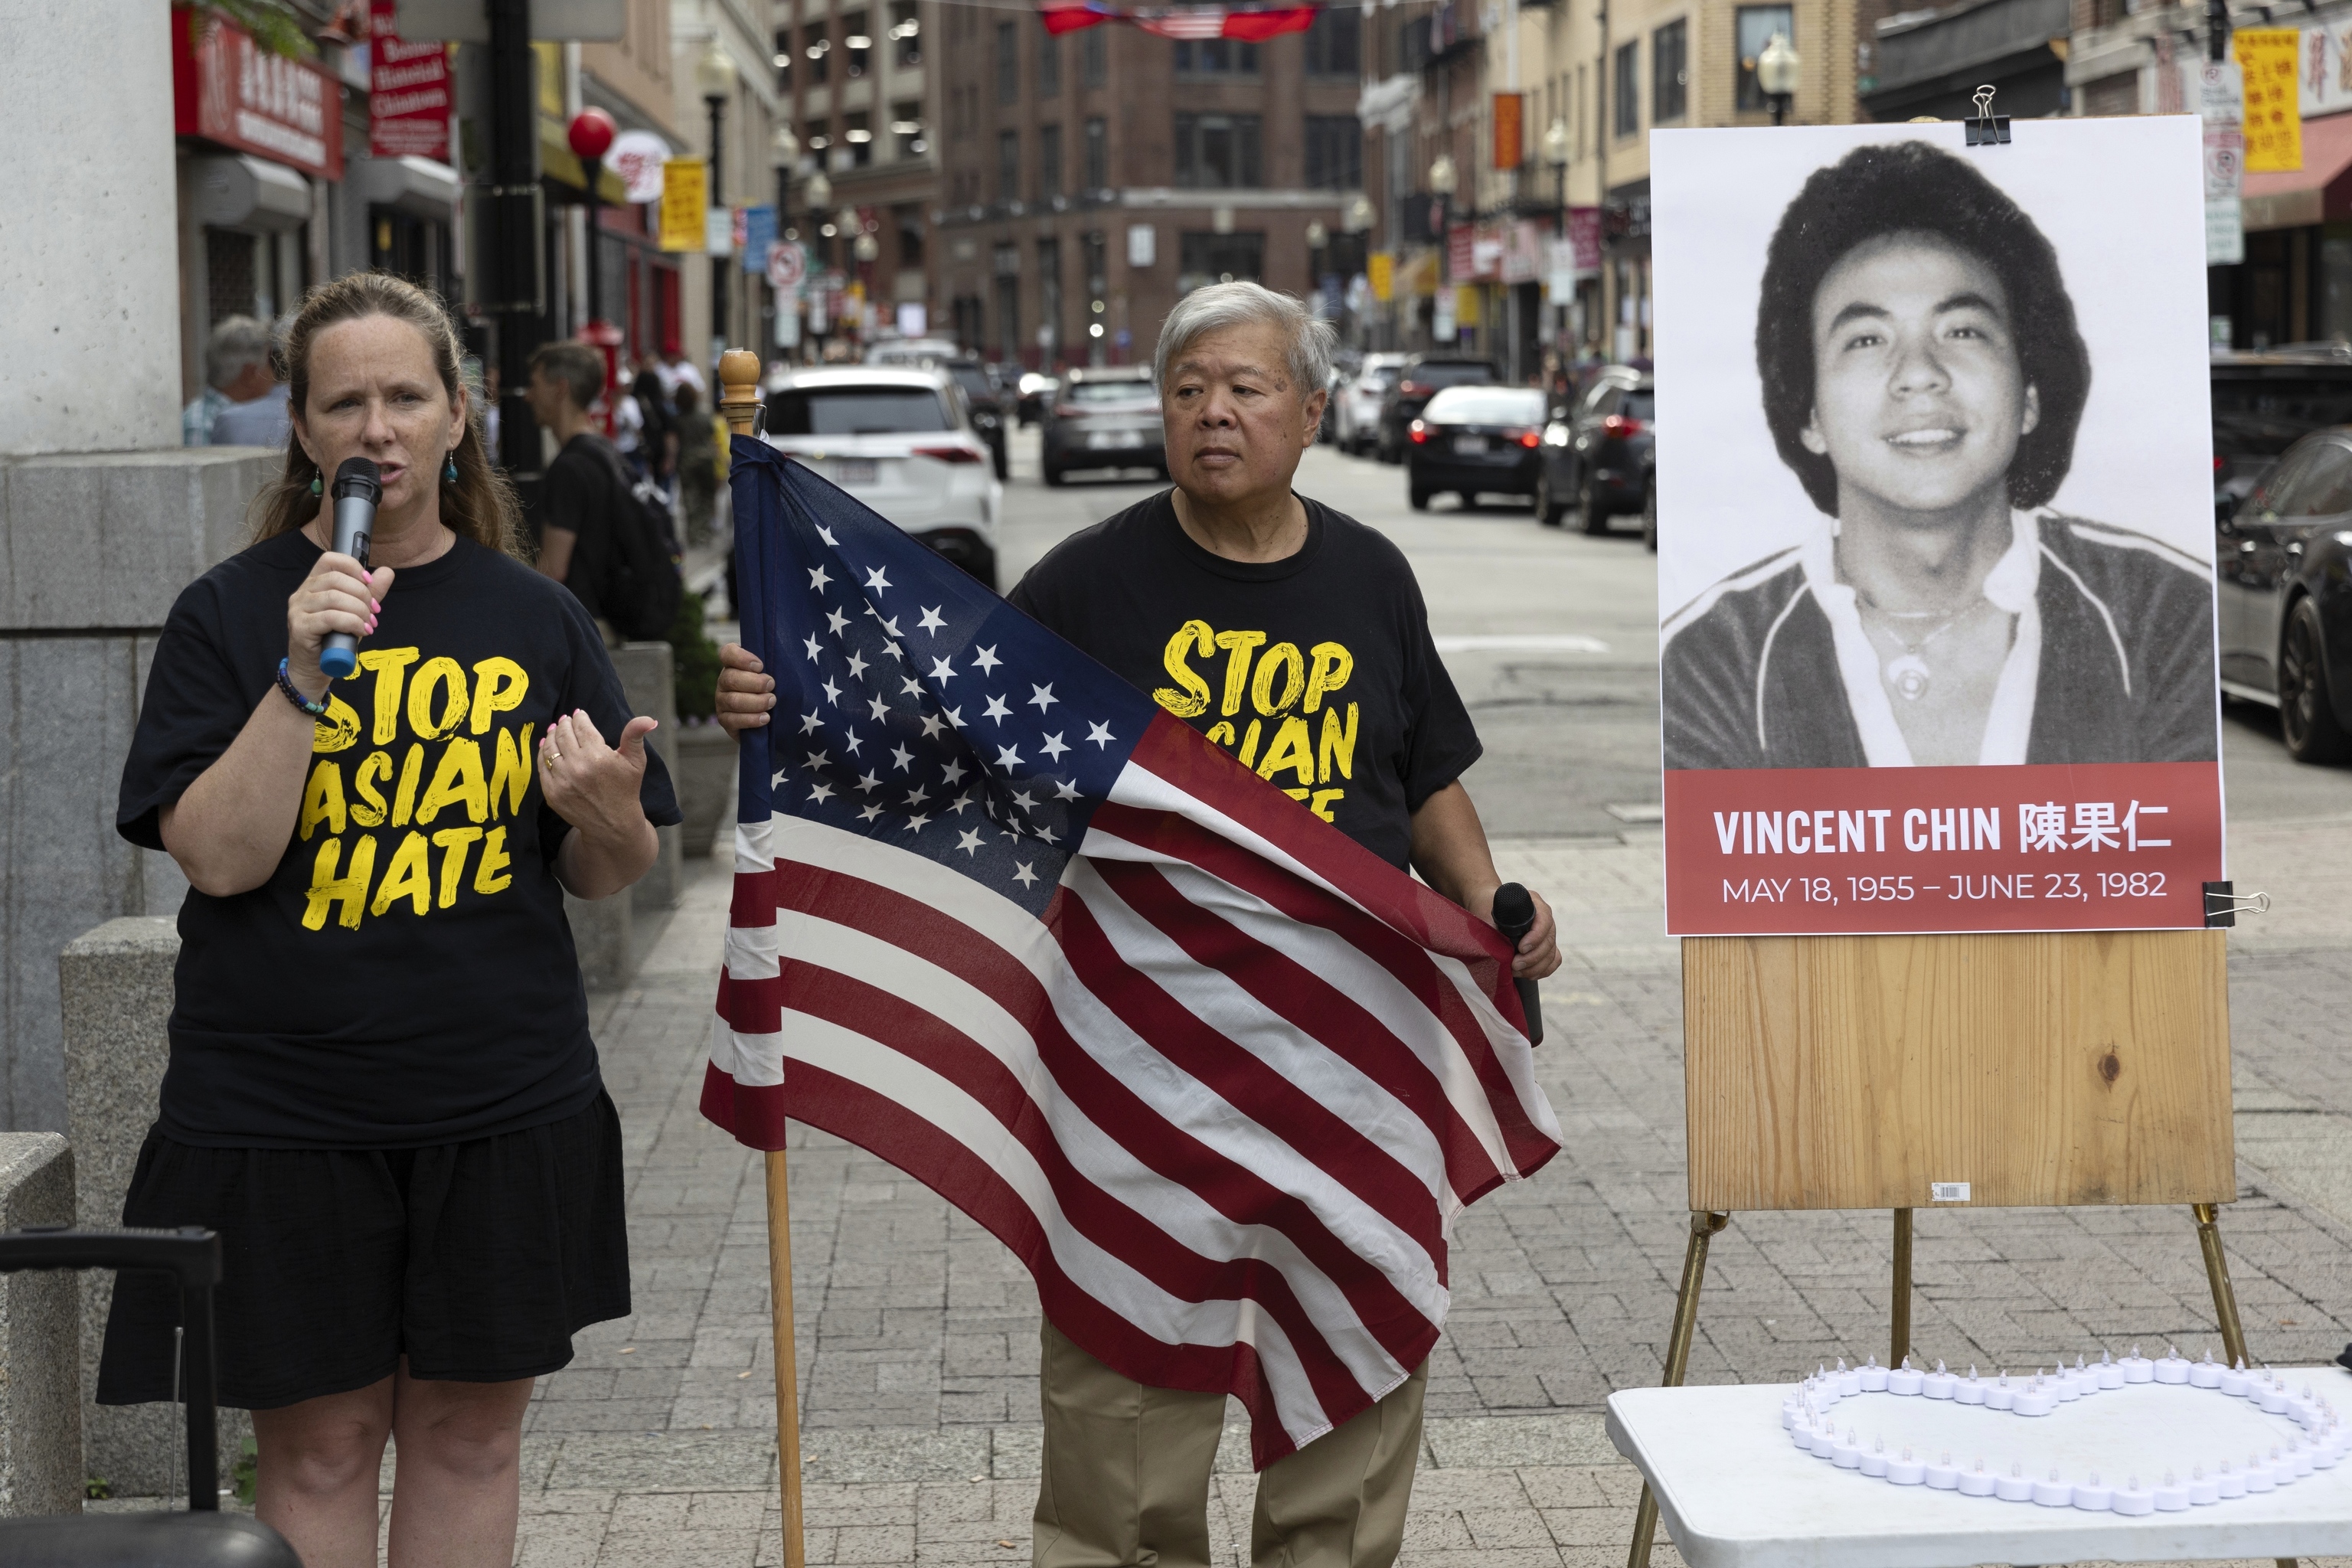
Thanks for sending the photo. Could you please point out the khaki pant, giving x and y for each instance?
(1126, 1467)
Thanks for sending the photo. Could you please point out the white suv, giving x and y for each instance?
(902, 441)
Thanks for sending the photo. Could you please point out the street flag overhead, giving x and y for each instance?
(1219, 1076)
(1249, 23)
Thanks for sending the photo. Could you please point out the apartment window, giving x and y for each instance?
(907, 127)
(1008, 165)
(1008, 63)
(1669, 72)
(2117, 94)
(1097, 154)
(1049, 62)
(1094, 55)
(1216, 56)
(906, 32)
(1217, 151)
(1049, 291)
(857, 42)
(1008, 301)
(1628, 86)
(1754, 26)
(817, 44)
(1334, 152)
(783, 59)
(819, 135)
(1335, 44)
(1204, 259)
(1049, 162)
(857, 129)
(910, 223)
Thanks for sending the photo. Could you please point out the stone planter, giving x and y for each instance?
(705, 772)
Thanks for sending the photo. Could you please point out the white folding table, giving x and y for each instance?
(1735, 1492)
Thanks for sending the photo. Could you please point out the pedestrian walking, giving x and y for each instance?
(698, 462)
(1256, 615)
(607, 539)
(382, 1089)
(236, 378)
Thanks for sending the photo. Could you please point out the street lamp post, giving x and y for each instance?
(591, 135)
(1555, 145)
(715, 74)
(1442, 182)
(787, 148)
(1318, 236)
(1776, 73)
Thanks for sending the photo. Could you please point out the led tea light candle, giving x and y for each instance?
(2301, 1458)
(2036, 1399)
(2172, 1497)
(2227, 1482)
(1972, 1392)
(1905, 1379)
(2137, 1368)
(2135, 1500)
(2236, 1381)
(1978, 1482)
(2053, 1492)
(2204, 1491)
(2013, 1487)
(2092, 1498)
(1874, 1462)
(2172, 1369)
(2260, 1478)
(1846, 1453)
(1905, 1471)
(2001, 1396)
(1873, 1377)
(2270, 1397)
(1939, 1384)
(1849, 1380)
(2205, 1374)
(2110, 1375)
(1943, 1476)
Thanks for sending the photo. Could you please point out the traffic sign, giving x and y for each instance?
(787, 266)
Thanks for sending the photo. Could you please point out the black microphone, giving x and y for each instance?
(358, 487)
(1515, 916)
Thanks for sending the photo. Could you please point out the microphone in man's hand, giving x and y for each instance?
(358, 487)
(1515, 916)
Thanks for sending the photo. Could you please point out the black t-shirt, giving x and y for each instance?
(579, 492)
(406, 976)
(1317, 670)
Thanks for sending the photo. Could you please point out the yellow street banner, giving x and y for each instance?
(1466, 305)
(2267, 58)
(1381, 270)
(685, 220)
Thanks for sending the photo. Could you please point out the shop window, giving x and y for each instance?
(1628, 86)
(1334, 152)
(1213, 257)
(907, 33)
(1669, 73)
(1754, 26)
(1217, 151)
(818, 44)
(856, 43)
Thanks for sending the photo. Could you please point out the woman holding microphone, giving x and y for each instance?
(381, 1090)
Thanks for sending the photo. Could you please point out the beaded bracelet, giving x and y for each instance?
(286, 683)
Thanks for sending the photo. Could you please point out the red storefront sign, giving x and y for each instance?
(2080, 846)
(408, 91)
(229, 89)
(1473, 253)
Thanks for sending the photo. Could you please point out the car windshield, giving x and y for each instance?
(856, 411)
(1487, 406)
(1107, 392)
(1381, 375)
(1639, 406)
(974, 382)
(2261, 417)
(1451, 374)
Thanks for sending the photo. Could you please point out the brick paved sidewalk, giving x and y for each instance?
(917, 1333)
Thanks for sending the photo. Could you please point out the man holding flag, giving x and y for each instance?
(1240, 1073)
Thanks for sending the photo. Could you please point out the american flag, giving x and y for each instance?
(1249, 23)
(1220, 1076)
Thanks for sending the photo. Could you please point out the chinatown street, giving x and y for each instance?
(917, 1333)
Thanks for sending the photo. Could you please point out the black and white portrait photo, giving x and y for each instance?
(1934, 451)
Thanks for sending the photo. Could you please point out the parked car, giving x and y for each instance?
(1418, 382)
(1104, 417)
(1356, 424)
(2283, 559)
(1473, 440)
(1037, 395)
(900, 440)
(987, 401)
(1599, 451)
(918, 351)
(2265, 402)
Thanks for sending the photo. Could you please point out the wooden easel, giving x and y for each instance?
(739, 403)
(2047, 1069)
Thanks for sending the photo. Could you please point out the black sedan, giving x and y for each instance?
(2284, 562)
(1598, 452)
(987, 400)
(1423, 377)
(1473, 440)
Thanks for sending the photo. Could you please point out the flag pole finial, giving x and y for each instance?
(739, 389)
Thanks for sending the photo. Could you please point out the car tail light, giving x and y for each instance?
(1621, 425)
(1066, 411)
(2218, 461)
(1531, 439)
(1409, 389)
(949, 454)
(1420, 432)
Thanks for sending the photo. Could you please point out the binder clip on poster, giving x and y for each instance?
(1987, 128)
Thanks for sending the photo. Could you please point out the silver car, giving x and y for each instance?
(1104, 417)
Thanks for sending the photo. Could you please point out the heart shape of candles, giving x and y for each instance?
(2316, 1439)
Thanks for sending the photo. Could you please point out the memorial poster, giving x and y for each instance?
(1934, 528)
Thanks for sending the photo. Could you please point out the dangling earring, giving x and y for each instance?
(450, 470)
(317, 486)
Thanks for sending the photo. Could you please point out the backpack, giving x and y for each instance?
(641, 597)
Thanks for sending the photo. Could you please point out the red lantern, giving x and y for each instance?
(592, 134)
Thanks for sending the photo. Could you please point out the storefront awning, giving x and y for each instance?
(2319, 192)
(416, 186)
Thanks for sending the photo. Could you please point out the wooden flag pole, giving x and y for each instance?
(739, 403)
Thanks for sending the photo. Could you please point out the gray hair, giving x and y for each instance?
(1217, 306)
(236, 342)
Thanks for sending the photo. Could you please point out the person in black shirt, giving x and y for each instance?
(585, 485)
(1297, 638)
(1923, 376)
(382, 1091)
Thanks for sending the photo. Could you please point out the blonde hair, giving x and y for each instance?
(480, 505)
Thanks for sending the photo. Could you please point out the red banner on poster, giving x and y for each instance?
(408, 91)
(1828, 852)
(228, 88)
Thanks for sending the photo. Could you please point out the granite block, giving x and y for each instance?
(40, 1410)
